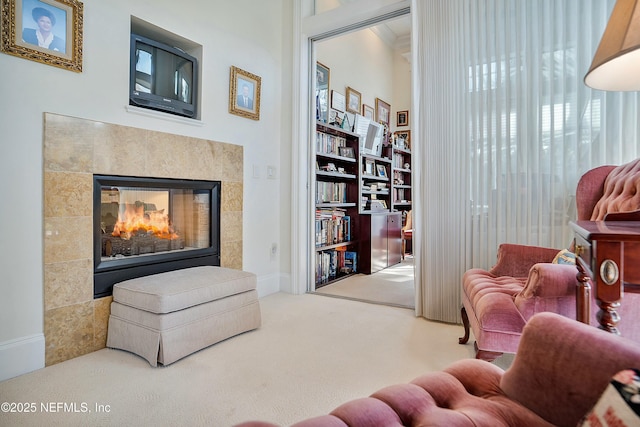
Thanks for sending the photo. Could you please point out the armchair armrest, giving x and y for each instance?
(560, 376)
(516, 260)
(548, 280)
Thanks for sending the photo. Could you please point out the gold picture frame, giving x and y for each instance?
(46, 31)
(244, 93)
(368, 112)
(354, 100)
(383, 112)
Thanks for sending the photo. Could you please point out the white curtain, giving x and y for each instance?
(505, 129)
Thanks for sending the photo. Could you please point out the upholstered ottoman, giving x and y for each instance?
(167, 316)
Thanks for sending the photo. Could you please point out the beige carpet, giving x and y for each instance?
(311, 354)
(392, 286)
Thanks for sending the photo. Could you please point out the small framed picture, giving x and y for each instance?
(347, 152)
(47, 31)
(244, 94)
(403, 139)
(382, 171)
(323, 75)
(402, 118)
(354, 100)
(383, 111)
(368, 111)
(369, 165)
(338, 101)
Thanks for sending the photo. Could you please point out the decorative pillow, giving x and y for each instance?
(565, 256)
(619, 405)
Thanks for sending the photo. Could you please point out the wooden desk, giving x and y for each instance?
(608, 255)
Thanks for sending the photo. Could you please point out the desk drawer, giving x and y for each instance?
(582, 248)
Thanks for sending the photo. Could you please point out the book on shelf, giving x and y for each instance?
(350, 262)
(332, 226)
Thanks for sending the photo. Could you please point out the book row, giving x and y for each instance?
(332, 227)
(329, 144)
(331, 264)
(328, 192)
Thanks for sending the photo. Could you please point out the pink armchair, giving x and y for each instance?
(558, 375)
(496, 304)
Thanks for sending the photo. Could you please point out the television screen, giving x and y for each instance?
(162, 77)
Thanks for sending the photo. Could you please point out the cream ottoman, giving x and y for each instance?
(167, 316)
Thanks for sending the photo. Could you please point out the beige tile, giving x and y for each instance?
(68, 332)
(68, 239)
(232, 162)
(68, 194)
(68, 144)
(231, 196)
(68, 283)
(231, 226)
(231, 255)
(101, 311)
(121, 151)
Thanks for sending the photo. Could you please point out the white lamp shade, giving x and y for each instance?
(616, 64)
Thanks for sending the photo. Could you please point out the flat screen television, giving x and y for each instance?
(162, 77)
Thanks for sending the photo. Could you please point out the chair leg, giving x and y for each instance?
(465, 323)
(488, 356)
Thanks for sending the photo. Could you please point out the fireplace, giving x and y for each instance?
(143, 226)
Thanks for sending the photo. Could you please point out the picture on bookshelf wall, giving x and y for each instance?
(403, 139)
(323, 74)
(402, 118)
(368, 111)
(383, 111)
(354, 100)
(382, 171)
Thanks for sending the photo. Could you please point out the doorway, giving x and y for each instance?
(372, 61)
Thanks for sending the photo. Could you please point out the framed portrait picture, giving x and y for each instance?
(46, 31)
(402, 118)
(368, 112)
(244, 94)
(354, 100)
(382, 171)
(383, 111)
(323, 76)
(338, 101)
(347, 152)
(403, 139)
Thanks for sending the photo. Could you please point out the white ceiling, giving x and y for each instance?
(397, 34)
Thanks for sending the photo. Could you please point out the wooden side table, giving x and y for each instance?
(607, 255)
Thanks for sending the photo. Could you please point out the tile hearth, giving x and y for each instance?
(76, 149)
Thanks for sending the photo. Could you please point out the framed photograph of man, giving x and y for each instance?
(46, 31)
(244, 94)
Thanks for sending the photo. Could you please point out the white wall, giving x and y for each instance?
(362, 61)
(100, 93)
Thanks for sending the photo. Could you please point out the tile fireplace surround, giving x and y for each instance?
(76, 149)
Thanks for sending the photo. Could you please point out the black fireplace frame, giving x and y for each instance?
(106, 273)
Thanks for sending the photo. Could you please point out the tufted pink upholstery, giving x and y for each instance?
(498, 303)
(621, 191)
(545, 386)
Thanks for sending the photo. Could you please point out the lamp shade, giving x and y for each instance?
(616, 64)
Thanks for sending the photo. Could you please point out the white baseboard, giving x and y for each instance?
(273, 283)
(21, 355)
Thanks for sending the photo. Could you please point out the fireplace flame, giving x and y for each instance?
(134, 220)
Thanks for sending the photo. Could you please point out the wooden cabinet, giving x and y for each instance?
(381, 244)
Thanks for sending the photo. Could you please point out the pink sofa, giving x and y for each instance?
(560, 371)
(498, 303)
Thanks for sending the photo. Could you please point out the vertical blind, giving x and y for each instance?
(506, 127)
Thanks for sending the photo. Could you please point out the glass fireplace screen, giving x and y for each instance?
(137, 221)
